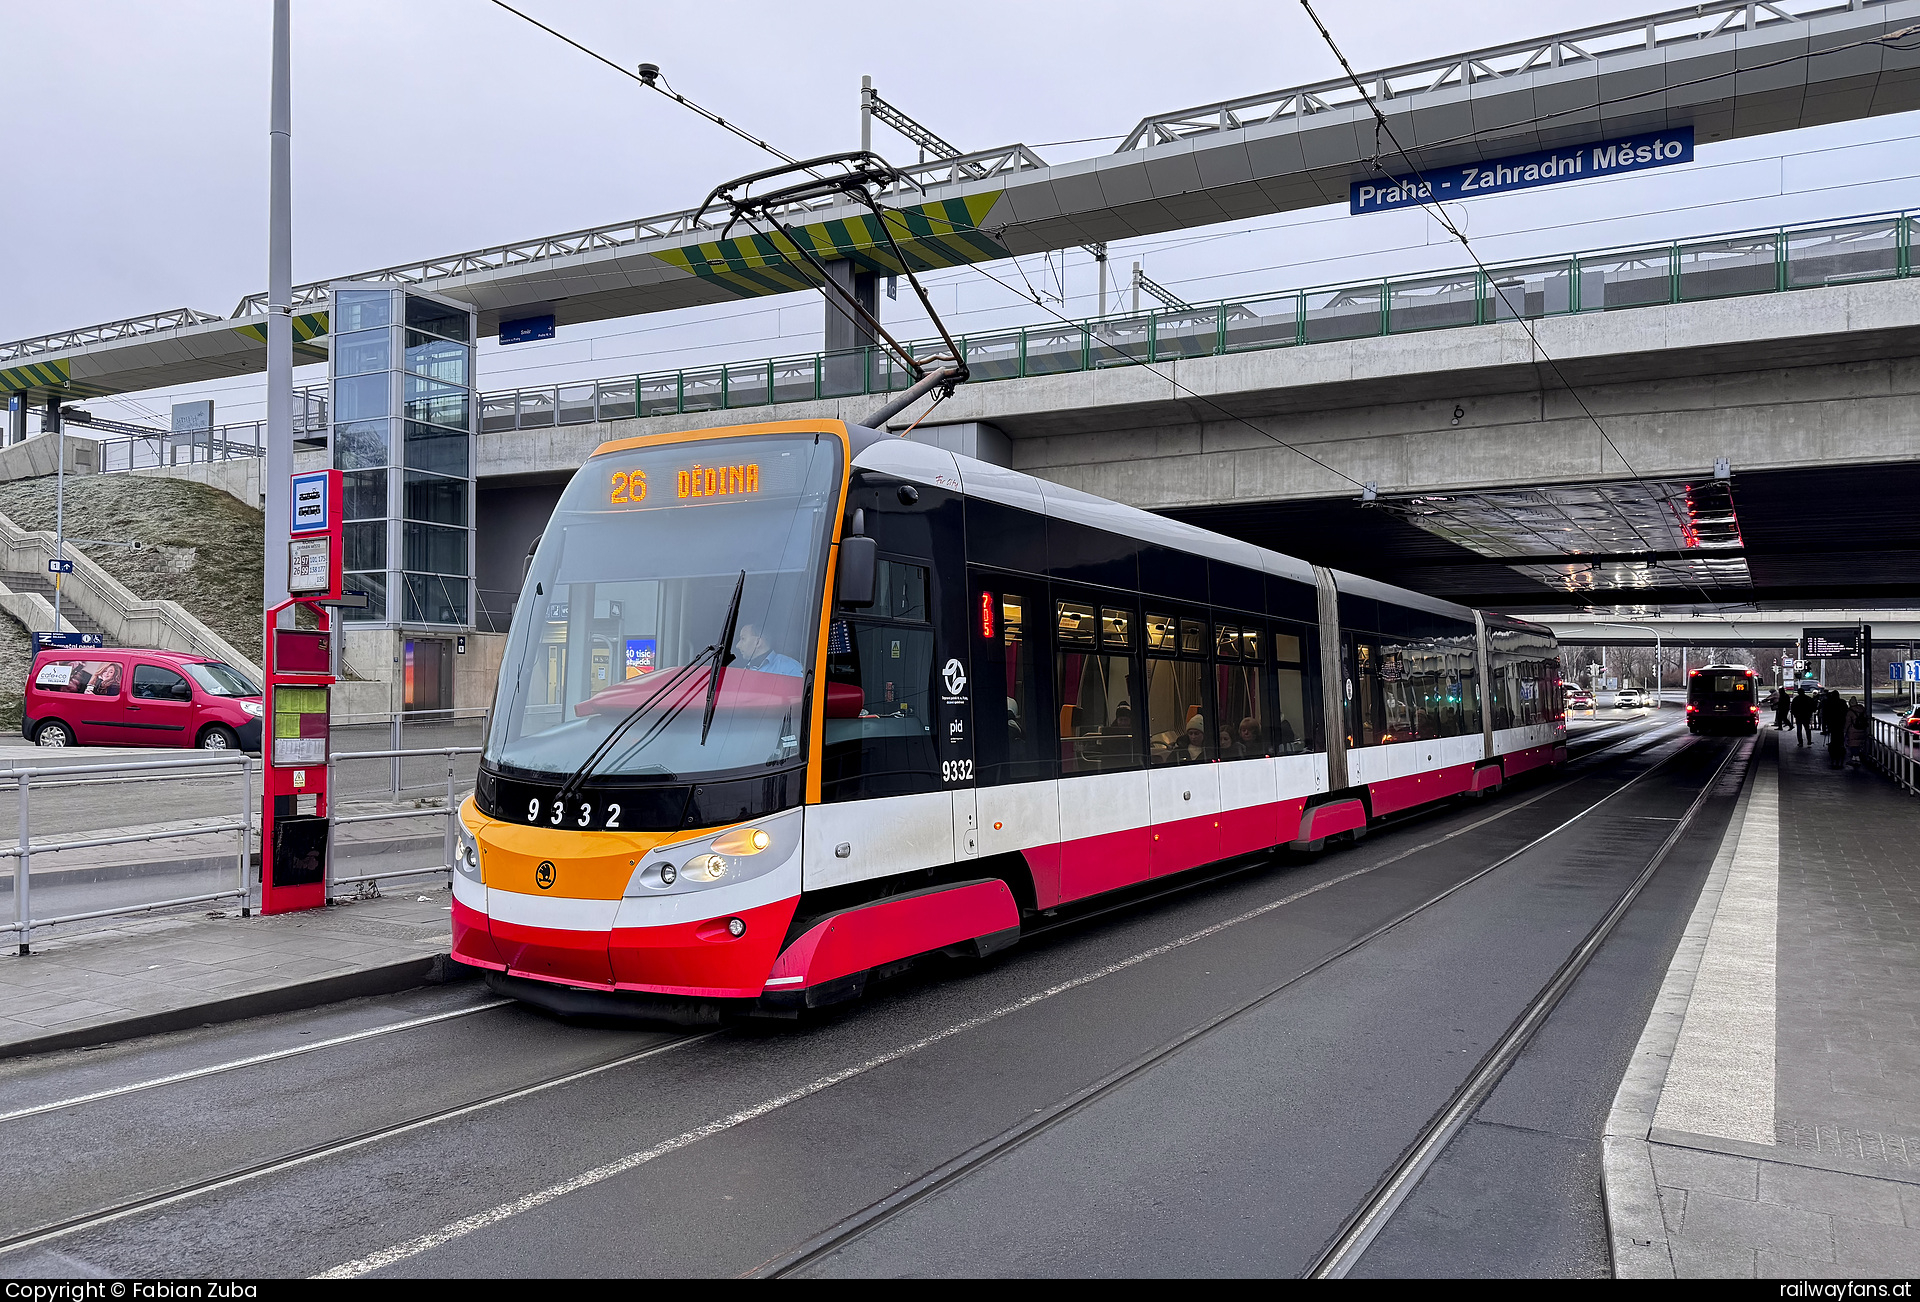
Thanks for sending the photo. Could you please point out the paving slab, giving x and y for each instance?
(149, 975)
(1770, 1122)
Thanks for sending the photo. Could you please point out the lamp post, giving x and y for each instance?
(1659, 677)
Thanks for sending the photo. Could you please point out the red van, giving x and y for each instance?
(110, 696)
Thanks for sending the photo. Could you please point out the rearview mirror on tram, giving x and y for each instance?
(859, 571)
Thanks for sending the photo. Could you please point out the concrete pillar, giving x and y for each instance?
(845, 331)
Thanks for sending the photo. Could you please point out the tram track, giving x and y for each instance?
(1366, 1222)
(130, 1207)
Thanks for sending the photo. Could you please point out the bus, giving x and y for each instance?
(1723, 698)
(784, 705)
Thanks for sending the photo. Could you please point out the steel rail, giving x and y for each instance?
(252, 1060)
(241, 1175)
(1373, 1214)
(864, 1221)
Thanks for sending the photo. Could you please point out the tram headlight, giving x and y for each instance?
(466, 851)
(720, 861)
(743, 841)
(705, 868)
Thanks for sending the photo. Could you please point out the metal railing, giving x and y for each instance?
(231, 442)
(1896, 753)
(28, 780)
(1767, 261)
(42, 779)
(448, 813)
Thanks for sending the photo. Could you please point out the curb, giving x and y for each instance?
(1636, 1225)
(387, 979)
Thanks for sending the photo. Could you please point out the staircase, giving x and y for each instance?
(69, 610)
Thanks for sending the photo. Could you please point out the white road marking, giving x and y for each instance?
(505, 1211)
(254, 1061)
(1721, 1078)
(273, 1168)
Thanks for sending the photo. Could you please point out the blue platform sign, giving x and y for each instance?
(526, 329)
(59, 565)
(1524, 171)
(46, 641)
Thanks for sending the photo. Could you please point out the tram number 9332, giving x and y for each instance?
(554, 813)
(956, 771)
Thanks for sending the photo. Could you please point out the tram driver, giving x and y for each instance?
(752, 650)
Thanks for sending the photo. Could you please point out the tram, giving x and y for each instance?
(784, 705)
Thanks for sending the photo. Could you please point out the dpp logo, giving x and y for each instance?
(955, 678)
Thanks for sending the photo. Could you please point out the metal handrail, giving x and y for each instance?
(1896, 753)
(1356, 310)
(23, 847)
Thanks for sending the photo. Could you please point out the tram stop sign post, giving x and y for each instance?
(295, 816)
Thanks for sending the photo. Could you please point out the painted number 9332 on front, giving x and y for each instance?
(956, 771)
(545, 812)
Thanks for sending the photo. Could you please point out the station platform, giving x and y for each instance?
(1769, 1123)
(146, 976)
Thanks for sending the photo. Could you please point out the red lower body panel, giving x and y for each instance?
(553, 954)
(471, 941)
(867, 937)
(702, 959)
(1323, 821)
(1395, 794)
(1094, 864)
(1533, 757)
(1186, 844)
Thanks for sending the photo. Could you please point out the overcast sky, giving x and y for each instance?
(138, 138)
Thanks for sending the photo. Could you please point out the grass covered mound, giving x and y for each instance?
(198, 546)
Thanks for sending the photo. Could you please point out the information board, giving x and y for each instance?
(1830, 643)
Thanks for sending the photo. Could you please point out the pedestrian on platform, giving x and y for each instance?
(1782, 709)
(1833, 721)
(1857, 725)
(1803, 716)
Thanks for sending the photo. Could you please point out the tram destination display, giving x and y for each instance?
(1830, 643)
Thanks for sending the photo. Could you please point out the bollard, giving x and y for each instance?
(21, 867)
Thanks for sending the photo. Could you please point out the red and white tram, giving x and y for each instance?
(949, 696)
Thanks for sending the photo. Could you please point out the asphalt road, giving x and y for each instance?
(1207, 1083)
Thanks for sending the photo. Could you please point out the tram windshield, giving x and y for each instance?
(633, 584)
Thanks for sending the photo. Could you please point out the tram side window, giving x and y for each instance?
(1096, 689)
(1022, 754)
(888, 749)
(1239, 694)
(1177, 727)
(1367, 711)
(1295, 727)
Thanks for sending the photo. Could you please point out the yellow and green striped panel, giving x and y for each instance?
(945, 233)
(307, 326)
(53, 375)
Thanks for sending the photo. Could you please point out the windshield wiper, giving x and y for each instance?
(719, 653)
(725, 657)
(660, 693)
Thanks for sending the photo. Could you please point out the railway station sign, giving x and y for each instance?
(1830, 643)
(1523, 171)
